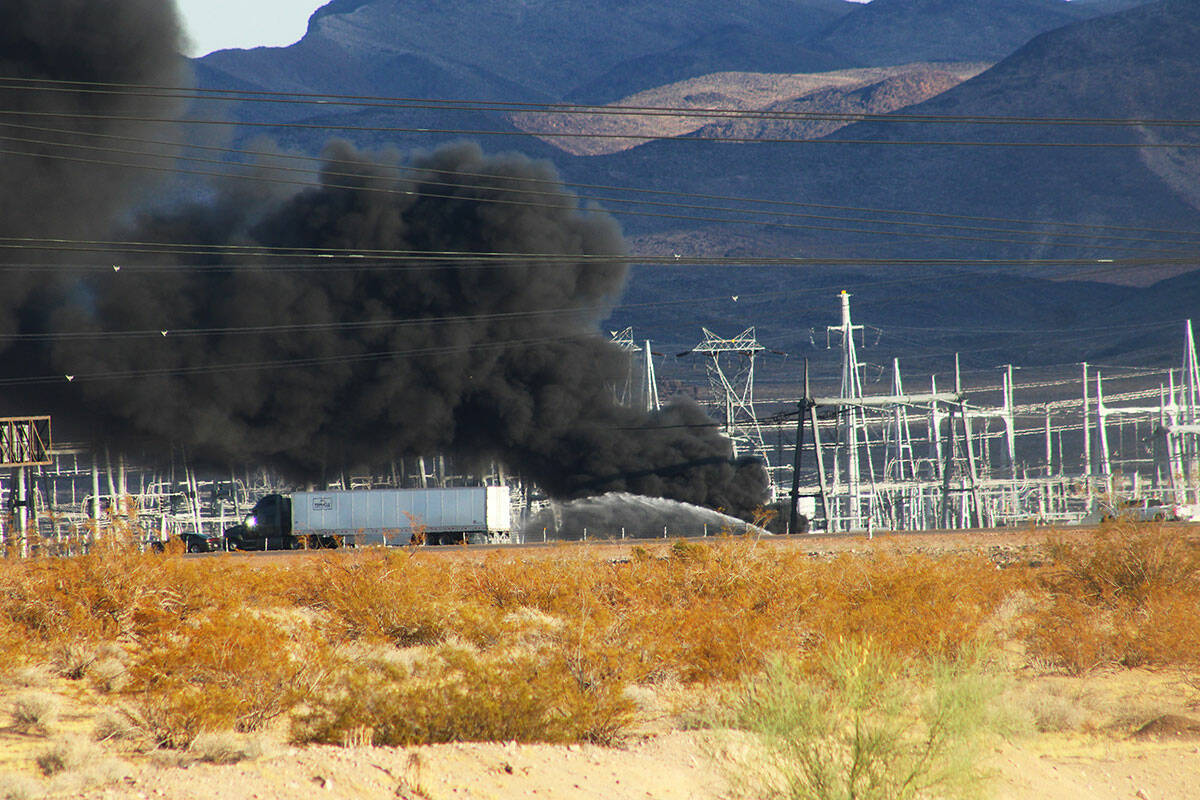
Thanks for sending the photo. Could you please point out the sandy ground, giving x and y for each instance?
(671, 765)
(1123, 736)
(1132, 735)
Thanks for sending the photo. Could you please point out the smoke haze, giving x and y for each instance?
(101, 41)
(314, 364)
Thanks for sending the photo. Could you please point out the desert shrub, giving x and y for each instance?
(862, 726)
(917, 605)
(73, 602)
(393, 597)
(229, 643)
(1066, 634)
(1125, 561)
(72, 660)
(108, 674)
(68, 755)
(1045, 708)
(1163, 631)
(14, 786)
(550, 585)
(34, 711)
(225, 747)
(457, 693)
(28, 677)
(116, 725)
(229, 670)
(1128, 597)
(716, 611)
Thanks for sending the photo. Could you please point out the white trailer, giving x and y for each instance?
(477, 514)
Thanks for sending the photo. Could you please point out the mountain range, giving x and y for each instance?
(1019, 191)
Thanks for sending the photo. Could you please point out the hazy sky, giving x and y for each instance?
(214, 24)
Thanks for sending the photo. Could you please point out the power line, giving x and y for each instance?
(174, 334)
(558, 206)
(577, 135)
(373, 258)
(324, 172)
(626, 189)
(200, 369)
(615, 109)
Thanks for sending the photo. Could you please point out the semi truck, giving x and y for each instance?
(460, 515)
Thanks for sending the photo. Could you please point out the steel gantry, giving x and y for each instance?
(638, 390)
(24, 443)
(730, 371)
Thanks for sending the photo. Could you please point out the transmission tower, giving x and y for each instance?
(638, 391)
(730, 372)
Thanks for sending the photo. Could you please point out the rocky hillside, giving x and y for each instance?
(533, 49)
(1029, 186)
(898, 88)
(897, 31)
(871, 90)
(1135, 64)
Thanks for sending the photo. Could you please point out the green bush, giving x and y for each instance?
(864, 727)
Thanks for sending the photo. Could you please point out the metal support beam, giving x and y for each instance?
(25, 442)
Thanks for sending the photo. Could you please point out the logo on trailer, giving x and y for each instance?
(322, 503)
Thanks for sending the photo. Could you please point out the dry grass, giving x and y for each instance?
(34, 711)
(226, 747)
(405, 646)
(68, 755)
(1125, 598)
(15, 786)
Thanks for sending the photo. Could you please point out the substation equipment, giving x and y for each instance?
(25, 443)
(844, 460)
(938, 459)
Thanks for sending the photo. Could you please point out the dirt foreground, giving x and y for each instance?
(671, 765)
(1108, 735)
(1128, 736)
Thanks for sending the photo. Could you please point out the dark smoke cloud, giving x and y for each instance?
(480, 375)
(325, 381)
(107, 41)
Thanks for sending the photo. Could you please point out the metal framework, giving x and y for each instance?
(640, 391)
(940, 460)
(903, 460)
(730, 371)
(24, 441)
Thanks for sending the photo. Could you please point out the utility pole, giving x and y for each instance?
(1087, 440)
(801, 412)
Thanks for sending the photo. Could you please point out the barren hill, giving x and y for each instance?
(1135, 64)
(896, 31)
(875, 90)
(534, 49)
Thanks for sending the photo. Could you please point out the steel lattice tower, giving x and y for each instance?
(730, 371)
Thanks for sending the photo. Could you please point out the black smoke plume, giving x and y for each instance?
(344, 331)
(51, 183)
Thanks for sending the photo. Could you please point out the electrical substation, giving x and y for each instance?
(1060, 450)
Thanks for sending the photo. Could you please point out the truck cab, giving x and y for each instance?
(268, 526)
